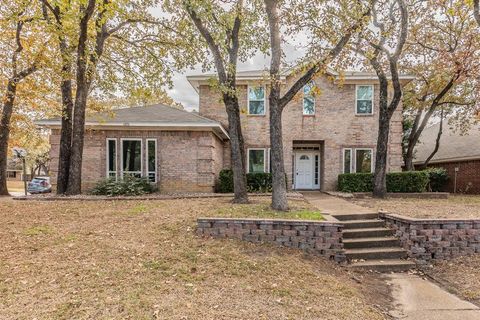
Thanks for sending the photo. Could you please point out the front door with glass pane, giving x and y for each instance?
(304, 172)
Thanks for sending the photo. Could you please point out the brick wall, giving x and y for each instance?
(335, 125)
(187, 161)
(468, 176)
(427, 240)
(324, 238)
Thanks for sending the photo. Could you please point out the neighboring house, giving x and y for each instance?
(459, 154)
(14, 170)
(324, 135)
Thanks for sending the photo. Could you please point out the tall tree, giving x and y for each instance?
(386, 38)
(444, 56)
(19, 61)
(476, 11)
(231, 32)
(317, 65)
(97, 40)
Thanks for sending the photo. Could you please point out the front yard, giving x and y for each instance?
(456, 206)
(142, 260)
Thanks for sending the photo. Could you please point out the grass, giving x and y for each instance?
(142, 260)
(456, 206)
(261, 209)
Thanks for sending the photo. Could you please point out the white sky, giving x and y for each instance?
(184, 93)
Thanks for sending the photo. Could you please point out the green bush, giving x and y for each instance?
(355, 182)
(438, 179)
(256, 182)
(128, 186)
(408, 181)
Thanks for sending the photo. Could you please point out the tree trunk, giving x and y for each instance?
(65, 134)
(437, 144)
(78, 132)
(380, 181)
(237, 149)
(279, 194)
(5, 134)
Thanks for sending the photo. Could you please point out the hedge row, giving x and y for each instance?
(256, 182)
(408, 181)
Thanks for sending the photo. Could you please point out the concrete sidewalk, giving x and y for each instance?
(419, 299)
(333, 205)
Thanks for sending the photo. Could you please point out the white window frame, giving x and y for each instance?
(264, 101)
(314, 101)
(108, 158)
(371, 162)
(351, 160)
(122, 173)
(373, 99)
(147, 172)
(264, 158)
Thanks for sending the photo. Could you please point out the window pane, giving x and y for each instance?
(256, 93)
(256, 107)
(151, 155)
(308, 105)
(364, 92)
(112, 155)
(347, 160)
(307, 89)
(256, 161)
(364, 106)
(132, 155)
(363, 160)
(316, 169)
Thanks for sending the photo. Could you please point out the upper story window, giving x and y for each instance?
(364, 103)
(308, 99)
(256, 100)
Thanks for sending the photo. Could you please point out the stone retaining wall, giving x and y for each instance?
(324, 238)
(435, 239)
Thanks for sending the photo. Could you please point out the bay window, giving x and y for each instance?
(132, 157)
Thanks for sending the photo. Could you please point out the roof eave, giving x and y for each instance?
(216, 127)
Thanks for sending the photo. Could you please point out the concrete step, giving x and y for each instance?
(375, 242)
(356, 216)
(361, 224)
(391, 265)
(376, 253)
(367, 233)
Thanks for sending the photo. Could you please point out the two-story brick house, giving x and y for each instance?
(327, 130)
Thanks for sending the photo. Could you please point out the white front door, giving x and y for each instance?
(304, 170)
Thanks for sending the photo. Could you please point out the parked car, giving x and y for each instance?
(39, 185)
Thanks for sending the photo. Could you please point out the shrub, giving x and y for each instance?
(256, 182)
(128, 186)
(355, 182)
(408, 181)
(438, 179)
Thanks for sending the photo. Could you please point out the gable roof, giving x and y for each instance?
(453, 145)
(261, 74)
(153, 116)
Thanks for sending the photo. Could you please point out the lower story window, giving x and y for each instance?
(112, 158)
(132, 157)
(256, 160)
(152, 160)
(357, 160)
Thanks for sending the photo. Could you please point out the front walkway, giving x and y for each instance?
(333, 205)
(419, 299)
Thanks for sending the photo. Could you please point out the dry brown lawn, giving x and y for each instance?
(460, 275)
(454, 207)
(142, 260)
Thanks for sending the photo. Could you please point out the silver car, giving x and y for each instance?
(39, 185)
